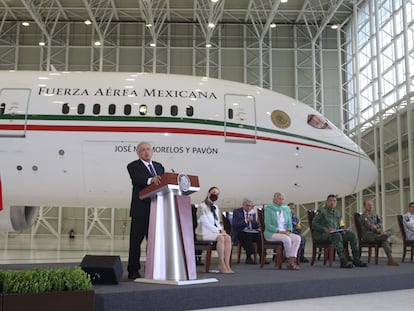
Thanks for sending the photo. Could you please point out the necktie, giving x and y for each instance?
(151, 168)
(249, 224)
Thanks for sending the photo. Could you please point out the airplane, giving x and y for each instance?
(67, 137)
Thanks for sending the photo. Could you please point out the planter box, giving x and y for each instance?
(49, 301)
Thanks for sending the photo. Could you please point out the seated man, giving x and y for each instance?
(325, 227)
(408, 221)
(297, 230)
(371, 226)
(244, 229)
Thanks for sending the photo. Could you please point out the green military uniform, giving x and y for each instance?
(377, 234)
(331, 218)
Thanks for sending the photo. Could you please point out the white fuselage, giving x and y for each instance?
(54, 154)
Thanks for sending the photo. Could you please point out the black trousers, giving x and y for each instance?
(247, 239)
(139, 231)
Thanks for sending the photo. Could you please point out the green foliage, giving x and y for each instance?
(44, 280)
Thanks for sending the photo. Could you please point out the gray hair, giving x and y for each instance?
(143, 143)
(248, 201)
(277, 194)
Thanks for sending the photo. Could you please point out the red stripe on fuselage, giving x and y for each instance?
(150, 129)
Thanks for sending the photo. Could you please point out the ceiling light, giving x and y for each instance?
(87, 22)
(334, 26)
(208, 45)
(211, 25)
(283, 1)
(41, 43)
(272, 25)
(97, 43)
(214, 1)
(25, 24)
(153, 44)
(148, 25)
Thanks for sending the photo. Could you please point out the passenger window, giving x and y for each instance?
(96, 109)
(81, 108)
(158, 110)
(127, 109)
(230, 114)
(2, 108)
(174, 110)
(111, 109)
(318, 122)
(143, 110)
(65, 108)
(189, 111)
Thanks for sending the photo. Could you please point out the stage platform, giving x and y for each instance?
(250, 284)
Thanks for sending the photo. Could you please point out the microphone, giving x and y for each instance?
(172, 170)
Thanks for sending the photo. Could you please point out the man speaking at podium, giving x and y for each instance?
(143, 172)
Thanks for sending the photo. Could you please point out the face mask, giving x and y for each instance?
(213, 197)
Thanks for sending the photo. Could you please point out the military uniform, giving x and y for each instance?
(331, 218)
(377, 234)
(408, 221)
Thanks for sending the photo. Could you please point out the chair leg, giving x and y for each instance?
(404, 250)
(208, 259)
(376, 254)
(239, 250)
(412, 249)
(279, 259)
(313, 255)
(331, 253)
(255, 252)
(264, 250)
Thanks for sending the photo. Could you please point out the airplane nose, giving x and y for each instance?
(367, 173)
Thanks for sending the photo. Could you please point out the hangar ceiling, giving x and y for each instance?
(316, 14)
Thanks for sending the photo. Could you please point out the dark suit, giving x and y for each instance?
(140, 210)
(246, 239)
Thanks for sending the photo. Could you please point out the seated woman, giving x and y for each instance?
(210, 229)
(278, 227)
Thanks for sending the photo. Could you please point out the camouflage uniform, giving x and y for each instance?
(331, 218)
(370, 235)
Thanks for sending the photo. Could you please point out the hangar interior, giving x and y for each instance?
(351, 60)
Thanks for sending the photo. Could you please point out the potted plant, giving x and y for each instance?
(47, 289)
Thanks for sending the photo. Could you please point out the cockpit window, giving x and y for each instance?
(318, 122)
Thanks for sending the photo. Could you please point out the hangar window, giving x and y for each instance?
(318, 122)
(127, 109)
(158, 110)
(81, 108)
(143, 110)
(189, 111)
(111, 109)
(65, 108)
(2, 108)
(96, 109)
(174, 110)
(230, 114)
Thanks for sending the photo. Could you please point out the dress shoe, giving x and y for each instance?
(250, 261)
(304, 259)
(345, 264)
(359, 263)
(133, 275)
(392, 262)
(266, 261)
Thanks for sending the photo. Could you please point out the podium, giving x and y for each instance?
(170, 245)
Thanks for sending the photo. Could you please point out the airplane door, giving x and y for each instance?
(240, 118)
(13, 112)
